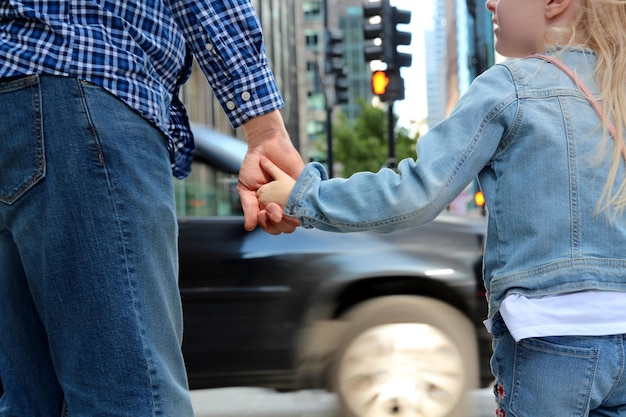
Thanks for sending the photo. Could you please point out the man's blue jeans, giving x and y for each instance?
(560, 376)
(90, 313)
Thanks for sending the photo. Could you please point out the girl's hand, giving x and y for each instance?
(278, 190)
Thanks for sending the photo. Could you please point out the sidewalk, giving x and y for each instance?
(260, 402)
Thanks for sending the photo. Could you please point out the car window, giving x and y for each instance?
(207, 192)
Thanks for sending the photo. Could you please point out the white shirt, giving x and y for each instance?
(584, 313)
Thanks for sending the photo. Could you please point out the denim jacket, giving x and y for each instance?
(533, 139)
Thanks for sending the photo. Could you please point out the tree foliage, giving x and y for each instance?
(362, 145)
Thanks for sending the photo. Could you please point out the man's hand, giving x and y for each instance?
(267, 137)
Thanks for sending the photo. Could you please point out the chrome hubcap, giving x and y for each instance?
(401, 370)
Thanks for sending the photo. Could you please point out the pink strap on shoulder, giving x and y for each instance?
(587, 92)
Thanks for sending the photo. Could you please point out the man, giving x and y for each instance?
(90, 132)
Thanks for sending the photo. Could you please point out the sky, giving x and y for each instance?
(413, 107)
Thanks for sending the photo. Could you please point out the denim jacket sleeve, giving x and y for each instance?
(449, 157)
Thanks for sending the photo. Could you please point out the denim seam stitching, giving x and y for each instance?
(619, 377)
(127, 251)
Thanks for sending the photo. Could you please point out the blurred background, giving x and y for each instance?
(317, 324)
(323, 56)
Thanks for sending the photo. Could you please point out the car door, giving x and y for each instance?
(236, 289)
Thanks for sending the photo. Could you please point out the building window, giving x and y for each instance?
(312, 11)
(312, 39)
(311, 74)
(315, 101)
(315, 130)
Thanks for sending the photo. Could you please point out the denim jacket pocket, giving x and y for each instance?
(22, 156)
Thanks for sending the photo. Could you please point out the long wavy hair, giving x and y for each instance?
(602, 25)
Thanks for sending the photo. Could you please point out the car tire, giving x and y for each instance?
(404, 356)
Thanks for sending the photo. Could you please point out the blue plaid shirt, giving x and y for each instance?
(141, 51)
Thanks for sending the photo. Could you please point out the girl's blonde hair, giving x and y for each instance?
(603, 25)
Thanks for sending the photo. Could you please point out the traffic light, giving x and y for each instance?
(382, 35)
(341, 86)
(373, 31)
(400, 59)
(380, 81)
(334, 51)
(388, 85)
(335, 65)
(479, 200)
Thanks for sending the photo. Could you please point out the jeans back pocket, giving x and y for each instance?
(22, 155)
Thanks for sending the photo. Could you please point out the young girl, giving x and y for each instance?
(550, 160)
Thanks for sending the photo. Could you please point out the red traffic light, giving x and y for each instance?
(380, 81)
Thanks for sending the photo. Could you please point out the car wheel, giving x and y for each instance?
(404, 356)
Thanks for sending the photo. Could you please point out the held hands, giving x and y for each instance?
(266, 137)
(278, 190)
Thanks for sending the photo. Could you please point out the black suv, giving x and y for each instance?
(390, 322)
